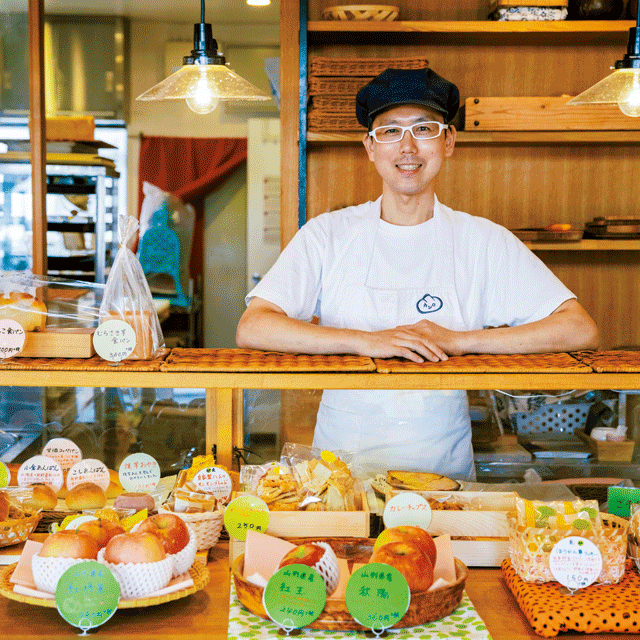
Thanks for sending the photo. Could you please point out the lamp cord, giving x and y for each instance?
(201, 10)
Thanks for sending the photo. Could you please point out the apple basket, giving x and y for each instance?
(18, 530)
(425, 606)
(207, 525)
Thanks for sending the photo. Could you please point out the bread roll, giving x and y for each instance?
(26, 310)
(137, 501)
(86, 495)
(42, 497)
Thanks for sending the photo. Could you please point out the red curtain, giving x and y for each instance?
(190, 168)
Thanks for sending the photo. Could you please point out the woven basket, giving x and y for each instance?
(322, 121)
(343, 87)
(206, 525)
(530, 548)
(361, 67)
(16, 531)
(374, 12)
(344, 105)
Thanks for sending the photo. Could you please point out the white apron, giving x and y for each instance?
(395, 429)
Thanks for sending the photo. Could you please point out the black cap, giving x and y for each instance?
(407, 86)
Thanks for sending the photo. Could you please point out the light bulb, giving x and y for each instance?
(203, 100)
(629, 98)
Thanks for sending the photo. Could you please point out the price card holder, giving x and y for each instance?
(575, 563)
(215, 481)
(87, 595)
(294, 596)
(139, 472)
(377, 596)
(41, 469)
(407, 509)
(12, 338)
(89, 470)
(114, 340)
(65, 451)
(246, 513)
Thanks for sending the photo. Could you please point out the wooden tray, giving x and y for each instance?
(608, 451)
(533, 234)
(488, 363)
(198, 572)
(374, 12)
(425, 606)
(610, 361)
(74, 343)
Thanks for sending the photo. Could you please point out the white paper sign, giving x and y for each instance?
(215, 481)
(89, 470)
(41, 469)
(12, 338)
(139, 472)
(114, 340)
(65, 451)
(575, 562)
(407, 509)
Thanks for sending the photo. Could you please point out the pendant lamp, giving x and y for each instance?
(204, 79)
(622, 87)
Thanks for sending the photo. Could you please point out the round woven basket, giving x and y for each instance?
(206, 525)
(18, 530)
(425, 606)
(377, 12)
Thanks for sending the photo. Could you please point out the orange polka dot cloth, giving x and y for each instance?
(598, 608)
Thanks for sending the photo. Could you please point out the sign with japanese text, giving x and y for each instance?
(139, 472)
(575, 562)
(294, 596)
(89, 470)
(407, 508)
(114, 340)
(41, 470)
(216, 481)
(377, 596)
(246, 513)
(87, 595)
(66, 452)
(12, 338)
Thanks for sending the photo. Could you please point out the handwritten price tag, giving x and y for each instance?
(295, 596)
(12, 338)
(377, 596)
(87, 595)
(216, 481)
(41, 469)
(66, 452)
(139, 472)
(246, 513)
(114, 340)
(575, 562)
(407, 509)
(89, 470)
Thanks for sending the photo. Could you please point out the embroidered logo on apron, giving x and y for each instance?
(429, 304)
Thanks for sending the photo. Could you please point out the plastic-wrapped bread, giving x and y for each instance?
(26, 310)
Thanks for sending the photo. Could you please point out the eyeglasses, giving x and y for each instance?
(420, 131)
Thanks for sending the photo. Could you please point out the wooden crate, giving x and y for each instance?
(479, 535)
(76, 343)
(543, 114)
(608, 451)
(313, 524)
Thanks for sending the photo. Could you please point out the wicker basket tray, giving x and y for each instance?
(530, 548)
(361, 67)
(374, 12)
(344, 105)
(18, 530)
(322, 121)
(198, 572)
(425, 606)
(342, 87)
(207, 525)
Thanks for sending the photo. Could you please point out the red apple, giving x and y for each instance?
(308, 553)
(169, 528)
(408, 533)
(69, 544)
(138, 546)
(409, 559)
(101, 530)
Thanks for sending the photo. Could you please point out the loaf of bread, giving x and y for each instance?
(141, 323)
(26, 310)
(42, 497)
(86, 495)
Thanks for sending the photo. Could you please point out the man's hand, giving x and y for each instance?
(413, 342)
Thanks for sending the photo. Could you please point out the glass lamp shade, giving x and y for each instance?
(622, 87)
(203, 84)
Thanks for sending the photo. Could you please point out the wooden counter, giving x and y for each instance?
(204, 615)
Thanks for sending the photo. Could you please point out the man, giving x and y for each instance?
(407, 276)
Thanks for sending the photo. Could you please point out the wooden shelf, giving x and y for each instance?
(474, 27)
(587, 245)
(466, 138)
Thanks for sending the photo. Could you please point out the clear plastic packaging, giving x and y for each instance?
(127, 296)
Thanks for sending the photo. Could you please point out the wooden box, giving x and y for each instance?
(480, 532)
(543, 114)
(608, 451)
(74, 343)
(313, 524)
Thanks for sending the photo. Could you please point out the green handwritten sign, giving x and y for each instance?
(246, 513)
